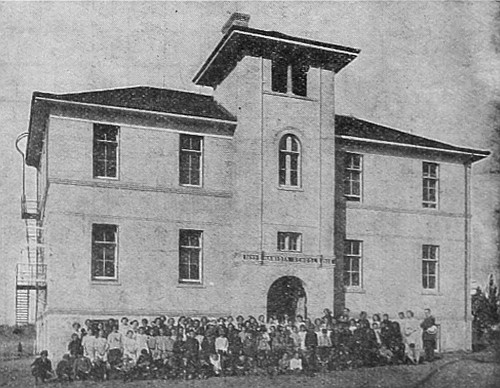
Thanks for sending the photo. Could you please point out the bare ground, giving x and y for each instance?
(454, 370)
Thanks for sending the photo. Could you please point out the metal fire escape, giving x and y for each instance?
(31, 279)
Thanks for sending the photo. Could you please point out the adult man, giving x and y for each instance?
(429, 332)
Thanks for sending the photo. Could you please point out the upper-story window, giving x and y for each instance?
(289, 241)
(430, 184)
(105, 153)
(190, 160)
(289, 161)
(353, 175)
(289, 77)
(104, 251)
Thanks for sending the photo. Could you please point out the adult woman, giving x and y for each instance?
(411, 337)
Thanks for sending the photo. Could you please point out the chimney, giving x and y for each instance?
(236, 19)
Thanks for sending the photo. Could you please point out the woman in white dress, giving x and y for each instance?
(411, 337)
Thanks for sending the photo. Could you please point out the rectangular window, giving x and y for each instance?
(289, 242)
(353, 175)
(279, 76)
(190, 160)
(430, 257)
(430, 184)
(190, 255)
(104, 252)
(289, 78)
(105, 152)
(352, 263)
(299, 79)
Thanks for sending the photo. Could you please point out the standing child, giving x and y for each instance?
(115, 346)
(130, 346)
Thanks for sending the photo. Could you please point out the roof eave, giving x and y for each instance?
(201, 76)
(464, 154)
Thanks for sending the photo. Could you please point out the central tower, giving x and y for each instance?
(281, 88)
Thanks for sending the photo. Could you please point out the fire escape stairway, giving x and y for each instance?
(22, 306)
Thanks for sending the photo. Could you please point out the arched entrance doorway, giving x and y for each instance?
(287, 296)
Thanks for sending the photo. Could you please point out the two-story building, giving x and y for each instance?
(256, 199)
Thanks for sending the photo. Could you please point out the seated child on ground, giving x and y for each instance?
(296, 363)
(82, 368)
(41, 368)
(64, 370)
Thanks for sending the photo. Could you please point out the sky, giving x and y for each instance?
(430, 68)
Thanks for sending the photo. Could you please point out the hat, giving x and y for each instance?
(44, 353)
(432, 330)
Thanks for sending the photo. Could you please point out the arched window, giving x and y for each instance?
(289, 161)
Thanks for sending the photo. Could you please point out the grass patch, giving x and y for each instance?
(16, 342)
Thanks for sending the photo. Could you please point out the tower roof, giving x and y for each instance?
(240, 41)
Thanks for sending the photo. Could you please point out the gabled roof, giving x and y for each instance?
(354, 129)
(240, 41)
(146, 98)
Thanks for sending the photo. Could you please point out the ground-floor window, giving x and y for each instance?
(104, 251)
(190, 255)
(352, 263)
(430, 258)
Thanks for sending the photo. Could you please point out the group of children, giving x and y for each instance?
(200, 348)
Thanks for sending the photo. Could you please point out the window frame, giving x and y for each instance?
(199, 248)
(292, 75)
(106, 143)
(426, 260)
(191, 152)
(284, 242)
(348, 256)
(288, 155)
(349, 171)
(95, 244)
(426, 179)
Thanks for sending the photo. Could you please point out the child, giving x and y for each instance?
(114, 346)
(284, 364)
(64, 369)
(41, 368)
(296, 364)
(75, 346)
(88, 344)
(142, 340)
(82, 367)
(216, 364)
(151, 341)
(143, 364)
(101, 347)
(124, 326)
(130, 346)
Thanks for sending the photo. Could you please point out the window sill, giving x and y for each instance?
(431, 292)
(290, 95)
(96, 282)
(353, 290)
(191, 186)
(106, 178)
(190, 285)
(290, 188)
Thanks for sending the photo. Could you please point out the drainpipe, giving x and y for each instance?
(467, 255)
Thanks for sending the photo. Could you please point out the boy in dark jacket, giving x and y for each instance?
(41, 368)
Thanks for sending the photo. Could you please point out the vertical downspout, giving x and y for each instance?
(262, 156)
(467, 252)
(320, 218)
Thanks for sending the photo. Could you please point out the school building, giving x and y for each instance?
(256, 199)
